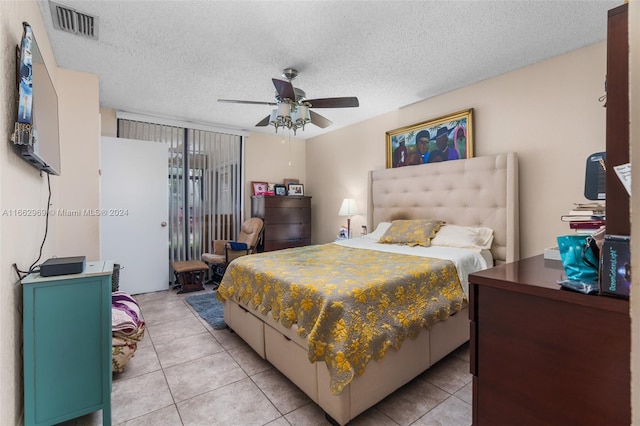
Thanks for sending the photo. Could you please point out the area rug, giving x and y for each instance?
(209, 308)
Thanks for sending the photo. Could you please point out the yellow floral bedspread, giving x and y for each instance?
(352, 304)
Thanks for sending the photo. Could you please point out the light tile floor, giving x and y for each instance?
(186, 373)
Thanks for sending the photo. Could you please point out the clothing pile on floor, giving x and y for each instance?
(127, 326)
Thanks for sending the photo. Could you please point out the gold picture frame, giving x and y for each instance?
(425, 142)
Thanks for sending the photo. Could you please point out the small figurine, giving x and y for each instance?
(342, 234)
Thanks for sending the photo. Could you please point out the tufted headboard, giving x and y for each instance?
(481, 191)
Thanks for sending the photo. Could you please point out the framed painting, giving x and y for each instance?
(449, 137)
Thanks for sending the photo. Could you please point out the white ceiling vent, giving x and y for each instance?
(73, 21)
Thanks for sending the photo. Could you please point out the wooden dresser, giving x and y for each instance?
(287, 220)
(544, 355)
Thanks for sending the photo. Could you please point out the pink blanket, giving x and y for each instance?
(125, 314)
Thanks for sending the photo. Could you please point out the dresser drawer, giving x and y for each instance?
(272, 245)
(259, 205)
(287, 231)
(287, 215)
(286, 202)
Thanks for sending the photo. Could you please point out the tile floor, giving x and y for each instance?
(186, 373)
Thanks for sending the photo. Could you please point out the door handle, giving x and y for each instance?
(163, 224)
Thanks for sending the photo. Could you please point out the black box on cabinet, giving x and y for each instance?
(62, 266)
(615, 266)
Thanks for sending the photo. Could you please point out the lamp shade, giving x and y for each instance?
(273, 117)
(348, 207)
(284, 111)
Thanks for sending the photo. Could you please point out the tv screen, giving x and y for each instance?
(37, 109)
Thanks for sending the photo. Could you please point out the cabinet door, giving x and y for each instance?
(540, 360)
(64, 349)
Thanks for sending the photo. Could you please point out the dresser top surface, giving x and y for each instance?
(539, 277)
(94, 268)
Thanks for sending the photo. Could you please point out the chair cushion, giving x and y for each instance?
(250, 231)
(213, 258)
(189, 266)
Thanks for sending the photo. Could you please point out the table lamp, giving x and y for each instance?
(348, 208)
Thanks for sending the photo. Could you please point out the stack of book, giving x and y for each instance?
(585, 217)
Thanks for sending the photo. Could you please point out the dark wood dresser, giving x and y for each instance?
(544, 355)
(287, 220)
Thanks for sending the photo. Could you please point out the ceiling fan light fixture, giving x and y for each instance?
(273, 119)
(303, 116)
(293, 109)
(284, 112)
(290, 115)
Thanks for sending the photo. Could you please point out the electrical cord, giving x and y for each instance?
(33, 268)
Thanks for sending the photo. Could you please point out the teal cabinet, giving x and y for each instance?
(67, 345)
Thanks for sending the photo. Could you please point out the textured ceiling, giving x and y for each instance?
(176, 58)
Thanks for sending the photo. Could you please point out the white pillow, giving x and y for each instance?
(467, 237)
(380, 230)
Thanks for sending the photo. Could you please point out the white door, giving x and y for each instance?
(134, 212)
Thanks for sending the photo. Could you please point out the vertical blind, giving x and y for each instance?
(204, 184)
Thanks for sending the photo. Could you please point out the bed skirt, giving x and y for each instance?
(288, 352)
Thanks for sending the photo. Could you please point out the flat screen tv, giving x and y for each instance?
(36, 136)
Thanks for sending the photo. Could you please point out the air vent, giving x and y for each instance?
(73, 21)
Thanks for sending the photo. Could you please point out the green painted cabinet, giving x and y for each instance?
(67, 345)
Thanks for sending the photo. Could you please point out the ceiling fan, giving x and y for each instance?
(293, 108)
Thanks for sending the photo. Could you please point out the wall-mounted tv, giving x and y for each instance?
(36, 136)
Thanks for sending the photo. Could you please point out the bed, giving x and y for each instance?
(477, 192)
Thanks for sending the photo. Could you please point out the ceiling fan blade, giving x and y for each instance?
(284, 89)
(347, 102)
(233, 101)
(264, 121)
(319, 120)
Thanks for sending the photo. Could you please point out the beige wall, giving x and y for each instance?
(23, 187)
(272, 158)
(548, 113)
(79, 154)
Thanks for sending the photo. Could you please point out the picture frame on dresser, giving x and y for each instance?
(296, 189)
(280, 190)
(259, 188)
